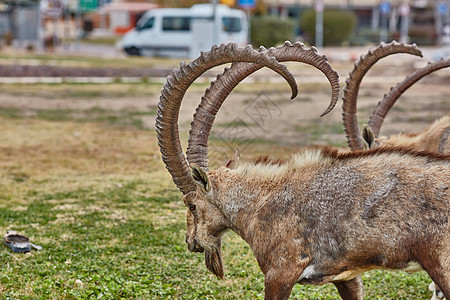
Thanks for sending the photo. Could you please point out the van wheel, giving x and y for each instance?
(133, 51)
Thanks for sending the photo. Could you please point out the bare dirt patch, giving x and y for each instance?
(262, 111)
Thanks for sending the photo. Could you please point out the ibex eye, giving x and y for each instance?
(192, 207)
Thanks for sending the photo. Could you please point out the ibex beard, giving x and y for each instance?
(327, 216)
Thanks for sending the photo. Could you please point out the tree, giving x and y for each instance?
(338, 26)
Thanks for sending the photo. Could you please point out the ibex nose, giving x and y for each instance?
(195, 247)
(191, 246)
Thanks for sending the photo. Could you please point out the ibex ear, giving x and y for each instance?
(200, 177)
(234, 161)
(368, 137)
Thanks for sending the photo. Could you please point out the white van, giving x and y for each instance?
(184, 32)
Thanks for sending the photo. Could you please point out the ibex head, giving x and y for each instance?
(205, 223)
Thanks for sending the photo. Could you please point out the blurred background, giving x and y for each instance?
(80, 168)
(76, 25)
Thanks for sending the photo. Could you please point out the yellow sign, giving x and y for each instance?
(230, 3)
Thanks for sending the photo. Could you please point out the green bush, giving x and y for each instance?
(269, 31)
(338, 26)
(365, 36)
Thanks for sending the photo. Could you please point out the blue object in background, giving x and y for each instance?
(385, 7)
(247, 4)
(442, 8)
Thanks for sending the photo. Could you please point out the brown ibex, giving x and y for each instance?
(435, 138)
(324, 215)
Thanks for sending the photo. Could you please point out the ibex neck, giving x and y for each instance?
(240, 198)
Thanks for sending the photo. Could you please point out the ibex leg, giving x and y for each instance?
(350, 290)
(440, 275)
(444, 287)
(277, 287)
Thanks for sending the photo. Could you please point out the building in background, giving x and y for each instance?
(18, 23)
(419, 21)
(117, 18)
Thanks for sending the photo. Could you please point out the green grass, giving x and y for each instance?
(128, 242)
(124, 117)
(57, 91)
(89, 186)
(53, 59)
(112, 224)
(74, 91)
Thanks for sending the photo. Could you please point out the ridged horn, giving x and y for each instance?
(377, 117)
(219, 90)
(353, 82)
(173, 92)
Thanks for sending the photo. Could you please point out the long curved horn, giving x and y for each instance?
(352, 84)
(219, 90)
(377, 117)
(173, 92)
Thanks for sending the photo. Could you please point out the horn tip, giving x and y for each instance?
(326, 111)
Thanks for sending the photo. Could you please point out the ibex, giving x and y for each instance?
(435, 138)
(322, 216)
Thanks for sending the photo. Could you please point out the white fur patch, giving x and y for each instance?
(307, 273)
(346, 275)
(298, 160)
(307, 157)
(413, 267)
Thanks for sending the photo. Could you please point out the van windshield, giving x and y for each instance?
(176, 24)
(231, 24)
(145, 25)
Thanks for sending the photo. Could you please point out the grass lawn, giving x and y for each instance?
(25, 58)
(96, 196)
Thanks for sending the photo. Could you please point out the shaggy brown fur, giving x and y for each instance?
(434, 139)
(327, 216)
